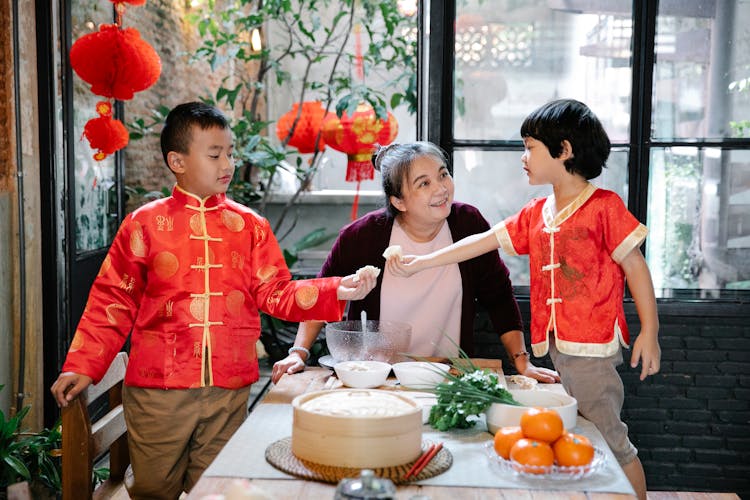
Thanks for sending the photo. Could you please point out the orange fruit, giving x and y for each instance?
(505, 438)
(542, 424)
(573, 450)
(532, 456)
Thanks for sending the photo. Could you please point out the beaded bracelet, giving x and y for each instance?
(519, 354)
(300, 349)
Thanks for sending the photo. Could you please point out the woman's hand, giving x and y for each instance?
(544, 375)
(289, 365)
(357, 286)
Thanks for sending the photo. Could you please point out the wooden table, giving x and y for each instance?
(314, 379)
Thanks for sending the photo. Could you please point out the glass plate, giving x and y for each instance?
(557, 472)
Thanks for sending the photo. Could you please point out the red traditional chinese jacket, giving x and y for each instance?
(577, 284)
(185, 278)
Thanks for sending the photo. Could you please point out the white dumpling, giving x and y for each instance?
(393, 251)
(375, 271)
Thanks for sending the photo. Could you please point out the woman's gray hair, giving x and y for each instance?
(394, 161)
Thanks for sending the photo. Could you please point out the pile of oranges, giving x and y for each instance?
(540, 442)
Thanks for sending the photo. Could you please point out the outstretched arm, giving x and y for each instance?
(646, 348)
(465, 249)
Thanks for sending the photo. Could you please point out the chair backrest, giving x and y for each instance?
(83, 441)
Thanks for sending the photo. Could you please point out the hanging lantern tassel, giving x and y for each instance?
(115, 62)
(356, 136)
(105, 133)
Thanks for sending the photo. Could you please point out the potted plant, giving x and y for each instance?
(29, 456)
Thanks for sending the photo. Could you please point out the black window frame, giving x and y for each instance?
(439, 106)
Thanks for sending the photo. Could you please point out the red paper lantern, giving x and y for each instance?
(115, 62)
(308, 126)
(131, 2)
(105, 133)
(356, 136)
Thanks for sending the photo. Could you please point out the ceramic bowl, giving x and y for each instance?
(378, 341)
(362, 374)
(503, 415)
(420, 374)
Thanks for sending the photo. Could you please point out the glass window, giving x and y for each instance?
(702, 71)
(512, 56)
(95, 199)
(495, 183)
(388, 66)
(699, 218)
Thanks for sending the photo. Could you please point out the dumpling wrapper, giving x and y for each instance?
(375, 271)
(393, 251)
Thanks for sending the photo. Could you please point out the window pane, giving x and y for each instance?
(495, 183)
(387, 74)
(701, 77)
(699, 218)
(95, 198)
(511, 57)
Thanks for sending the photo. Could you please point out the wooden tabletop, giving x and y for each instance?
(313, 379)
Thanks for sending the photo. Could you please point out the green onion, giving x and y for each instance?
(463, 397)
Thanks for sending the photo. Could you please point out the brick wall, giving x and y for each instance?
(690, 422)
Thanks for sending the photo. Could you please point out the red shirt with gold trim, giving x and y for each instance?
(185, 278)
(577, 284)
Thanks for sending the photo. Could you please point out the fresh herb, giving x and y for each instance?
(463, 397)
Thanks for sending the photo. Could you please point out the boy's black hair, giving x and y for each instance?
(176, 134)
(571, 120)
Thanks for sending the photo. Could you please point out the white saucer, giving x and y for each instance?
(327, 361)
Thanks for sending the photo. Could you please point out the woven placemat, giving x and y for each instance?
(279, 454)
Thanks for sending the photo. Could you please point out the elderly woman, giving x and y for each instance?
(421, 216)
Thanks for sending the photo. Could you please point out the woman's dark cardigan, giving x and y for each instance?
(484, 279)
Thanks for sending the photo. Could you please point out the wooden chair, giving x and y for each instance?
(83, 441)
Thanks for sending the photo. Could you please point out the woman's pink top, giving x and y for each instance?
(430, 301)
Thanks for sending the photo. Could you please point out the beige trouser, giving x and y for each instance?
(173, 435)
(597, 386)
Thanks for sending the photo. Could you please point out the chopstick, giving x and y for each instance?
(423, 460)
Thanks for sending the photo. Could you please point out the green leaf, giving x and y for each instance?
(396, 100)
(289, 258)
(229, 95)
(18, 466)
(312, 239)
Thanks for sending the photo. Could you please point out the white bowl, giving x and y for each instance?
(503, 415)
(362, 374)
(420, 374)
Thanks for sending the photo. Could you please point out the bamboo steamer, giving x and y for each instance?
(360, 428)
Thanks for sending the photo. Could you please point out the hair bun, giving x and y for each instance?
(376, 156)
(379, 154)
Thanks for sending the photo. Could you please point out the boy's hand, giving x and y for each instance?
(646, 350)
(357, 286)
(68, 385)
(403, 266)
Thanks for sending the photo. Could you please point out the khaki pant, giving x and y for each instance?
(173, 435)
(597, 386)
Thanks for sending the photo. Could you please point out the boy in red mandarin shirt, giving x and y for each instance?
(184, 278)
